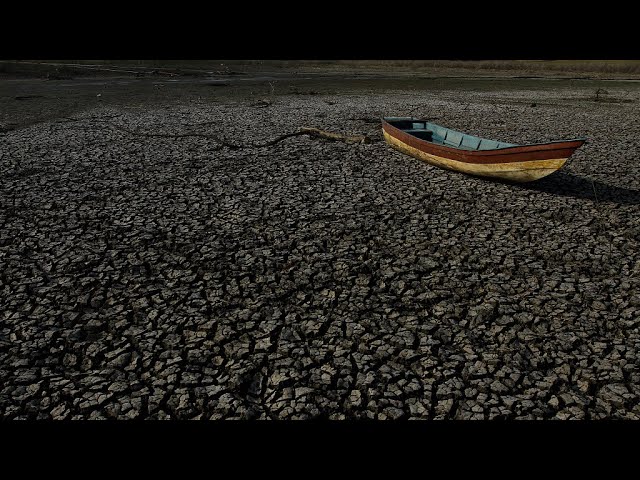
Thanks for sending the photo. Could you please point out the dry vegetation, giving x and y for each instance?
(588, 68)
(534, 66)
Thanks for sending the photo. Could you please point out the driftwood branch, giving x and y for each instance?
(312, 132)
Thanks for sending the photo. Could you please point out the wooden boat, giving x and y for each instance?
(458, 151)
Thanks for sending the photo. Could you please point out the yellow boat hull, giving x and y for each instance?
(526, 171)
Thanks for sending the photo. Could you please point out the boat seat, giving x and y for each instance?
(488, 144)
(470, 142)
(422, 133)
(437, 130)
(453, 138)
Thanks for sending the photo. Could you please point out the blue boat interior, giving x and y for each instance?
(444, 136)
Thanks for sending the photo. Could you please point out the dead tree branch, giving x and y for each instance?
(312, 132)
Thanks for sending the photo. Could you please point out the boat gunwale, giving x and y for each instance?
(510, 150)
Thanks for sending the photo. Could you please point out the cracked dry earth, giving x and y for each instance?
(160, 277)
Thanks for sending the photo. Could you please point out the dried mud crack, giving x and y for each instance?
(160, 275)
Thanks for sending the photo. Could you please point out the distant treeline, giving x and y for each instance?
(69, 68)
(538, 66)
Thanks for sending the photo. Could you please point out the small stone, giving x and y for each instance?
(355, 398)
(69, 360)
(60, 412)
(302, 391)
(498, 387)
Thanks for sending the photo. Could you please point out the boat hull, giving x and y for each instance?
(517, 164)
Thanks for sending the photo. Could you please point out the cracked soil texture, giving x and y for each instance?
(173, 277)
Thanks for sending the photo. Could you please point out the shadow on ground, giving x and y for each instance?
(570, 185)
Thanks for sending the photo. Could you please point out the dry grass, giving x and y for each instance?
(532, 66)
(596, 68)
